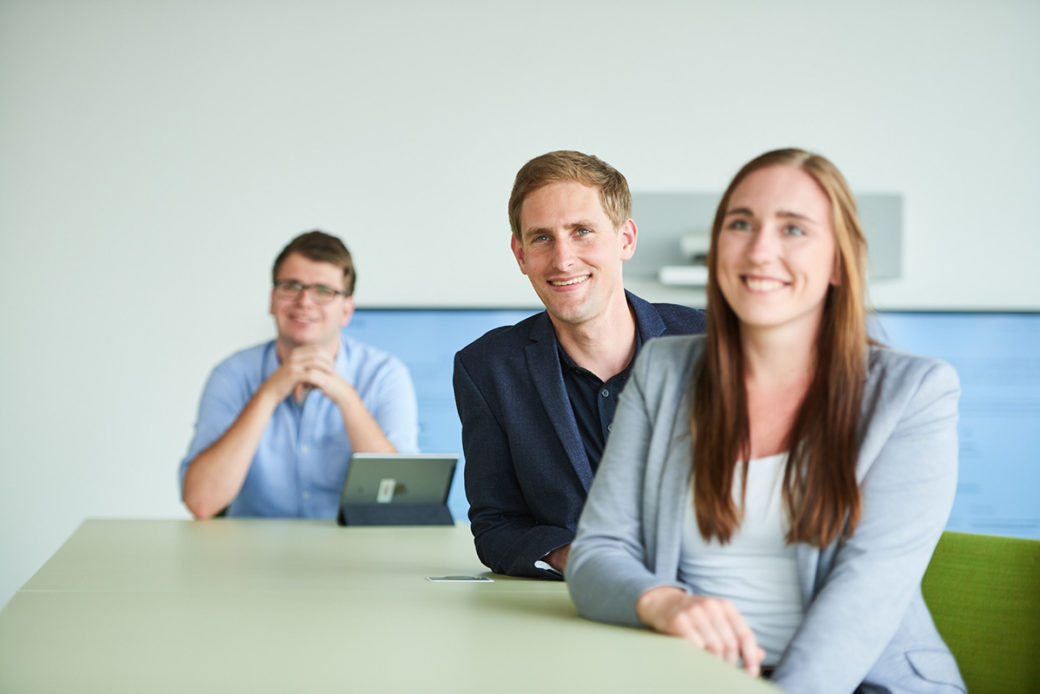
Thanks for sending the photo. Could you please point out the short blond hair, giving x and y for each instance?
(568, 165)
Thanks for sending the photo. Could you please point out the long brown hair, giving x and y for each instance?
(820, 492)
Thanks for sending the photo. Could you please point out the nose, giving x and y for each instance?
(763, 244)
(563, 254)
(304, 297)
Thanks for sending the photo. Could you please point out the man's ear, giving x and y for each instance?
(518, 253)
(348, 311)
(627, 233)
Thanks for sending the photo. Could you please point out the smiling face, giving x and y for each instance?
(301, 321)
(776, 251)
(571, 252)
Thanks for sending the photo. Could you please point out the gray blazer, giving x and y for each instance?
(866, 625)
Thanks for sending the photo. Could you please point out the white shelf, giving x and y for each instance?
(683, 275)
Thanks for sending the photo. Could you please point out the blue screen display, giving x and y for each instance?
(426, 340)
(997, 356)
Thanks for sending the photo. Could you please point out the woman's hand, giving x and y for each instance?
(710, 623)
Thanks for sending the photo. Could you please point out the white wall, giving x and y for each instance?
(154, 156)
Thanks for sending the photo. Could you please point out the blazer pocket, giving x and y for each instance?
(936, 666)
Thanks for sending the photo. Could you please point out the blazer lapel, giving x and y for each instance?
(543, 363)
(648, 320)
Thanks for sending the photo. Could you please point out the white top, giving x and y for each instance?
(757, 570)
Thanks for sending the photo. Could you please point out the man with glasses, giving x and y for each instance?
(278, 422)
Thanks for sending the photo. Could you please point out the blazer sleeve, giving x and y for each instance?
(907, 493)
(610, 562)
(508, 538)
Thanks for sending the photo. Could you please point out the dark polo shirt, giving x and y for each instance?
(594, 401)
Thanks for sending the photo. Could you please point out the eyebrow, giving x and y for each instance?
(579, 224)
(790, 214)
(315, 284)
(528, 233)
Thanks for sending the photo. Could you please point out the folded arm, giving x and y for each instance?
(509, 539)
(614, 575)
(228, 434)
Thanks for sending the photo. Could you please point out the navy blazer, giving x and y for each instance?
(527, 473)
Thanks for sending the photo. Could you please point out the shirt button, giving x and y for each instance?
(306, 495)
(304, 448)
(605, 393)
(610, 427)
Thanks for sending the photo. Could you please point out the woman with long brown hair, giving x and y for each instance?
(773, 490)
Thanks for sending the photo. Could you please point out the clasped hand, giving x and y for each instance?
(309, 366)
(713, 624)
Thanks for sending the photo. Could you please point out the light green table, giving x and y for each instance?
(297, 606)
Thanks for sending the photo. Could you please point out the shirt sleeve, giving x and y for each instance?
(225, 394)
(390, 398)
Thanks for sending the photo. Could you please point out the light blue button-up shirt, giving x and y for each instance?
(302, 459)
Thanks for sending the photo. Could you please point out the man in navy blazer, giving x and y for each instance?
(537, 399)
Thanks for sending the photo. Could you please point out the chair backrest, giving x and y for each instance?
(984, 594)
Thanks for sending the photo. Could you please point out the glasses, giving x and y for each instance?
(291, 290)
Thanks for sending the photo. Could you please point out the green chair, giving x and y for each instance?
(984, 594)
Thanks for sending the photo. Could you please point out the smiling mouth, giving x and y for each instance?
(569, 283)
(762, 284)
